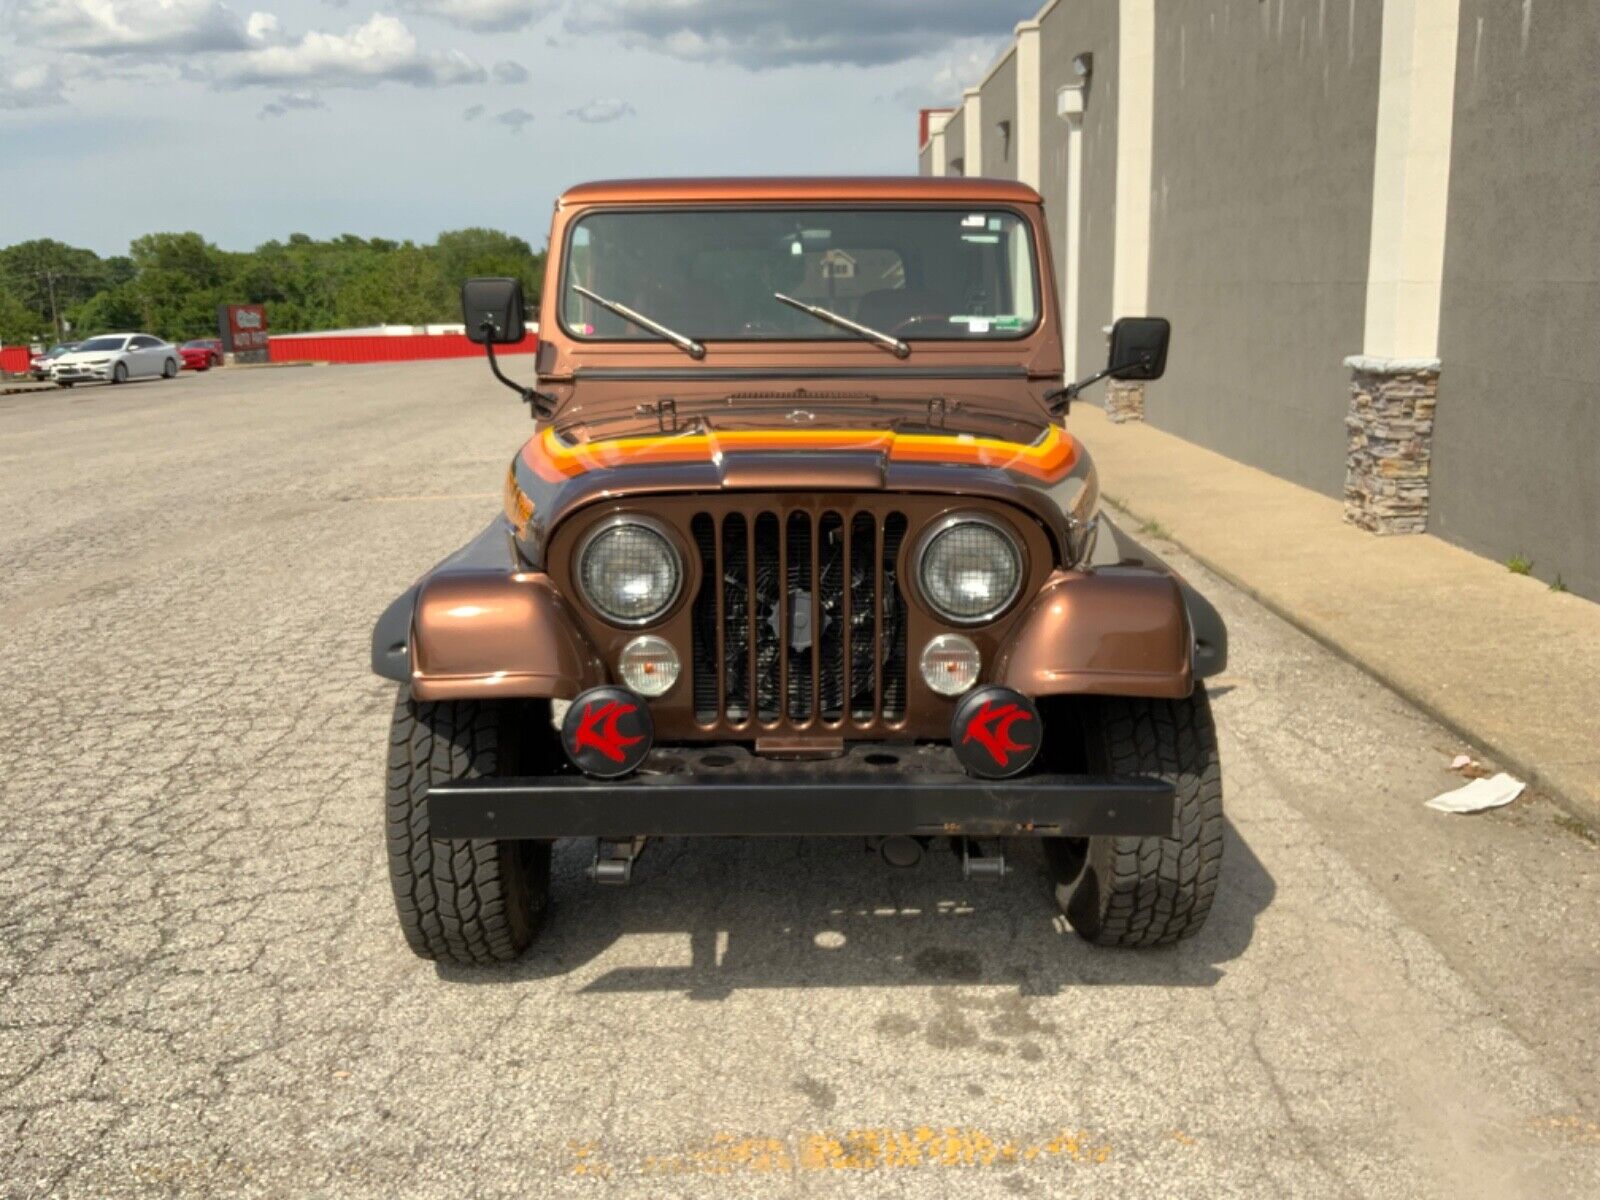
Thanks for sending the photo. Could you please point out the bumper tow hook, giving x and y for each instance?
(614, 859)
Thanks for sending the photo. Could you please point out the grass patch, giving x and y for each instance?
(1560, 585)
(1518, 565)
(1155, 529)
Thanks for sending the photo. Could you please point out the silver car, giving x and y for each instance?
(116, 358)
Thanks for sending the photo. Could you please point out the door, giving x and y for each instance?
(147, 357)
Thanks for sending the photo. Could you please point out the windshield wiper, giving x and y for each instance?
(887, 340)
(687, 344)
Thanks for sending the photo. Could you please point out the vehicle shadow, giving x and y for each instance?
(823, 912)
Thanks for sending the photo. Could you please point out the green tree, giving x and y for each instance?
(19, 324)
(404, 287)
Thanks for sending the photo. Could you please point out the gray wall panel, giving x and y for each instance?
(1516, 461)
(999, 102)
(1074, 27)
(955, 136)
(1265, 125)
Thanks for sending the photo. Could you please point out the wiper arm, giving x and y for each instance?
(887, 340)
(687, 344)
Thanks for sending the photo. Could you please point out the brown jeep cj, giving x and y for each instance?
(801, 545)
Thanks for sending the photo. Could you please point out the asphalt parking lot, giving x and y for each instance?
(203, 990)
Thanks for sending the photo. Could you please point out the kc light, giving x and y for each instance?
(629, 571)
(649, 665)
(950, 664)
(970, 569)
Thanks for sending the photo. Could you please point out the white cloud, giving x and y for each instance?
(290, 102)
(382, 50)
(263, 27)
(472, 113)
(760, 34)
(598, 112)
(31, 85)
(510, 72)
(126, 27)
(514, 118)
(483, 15)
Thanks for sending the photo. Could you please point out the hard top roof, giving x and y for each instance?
(802, 189)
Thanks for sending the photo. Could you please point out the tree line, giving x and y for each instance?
(170, 284)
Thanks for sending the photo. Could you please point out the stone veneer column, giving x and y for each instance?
(1394, 382)
(1124, 400)
(1390, 448)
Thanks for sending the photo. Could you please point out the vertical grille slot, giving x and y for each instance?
(799, 619)
(865, 624)
(737, 654)
(894, 610)
(801, 623)
(767, 611)
(833, 593)
(706, 629)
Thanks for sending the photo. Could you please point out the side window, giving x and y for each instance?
(141, 343)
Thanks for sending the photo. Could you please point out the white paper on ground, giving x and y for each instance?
(1479, 794)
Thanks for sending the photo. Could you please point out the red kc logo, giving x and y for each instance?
(991, 727)
(597, 730)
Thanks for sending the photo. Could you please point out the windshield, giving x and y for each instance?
(198, 344)
(918, 274)
(104, 343)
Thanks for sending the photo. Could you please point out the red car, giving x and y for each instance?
(201, 354)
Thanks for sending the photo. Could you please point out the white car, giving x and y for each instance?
(117, 357)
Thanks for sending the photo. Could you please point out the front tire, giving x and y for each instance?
(119, 373)
(1149, 891)
(472, 903)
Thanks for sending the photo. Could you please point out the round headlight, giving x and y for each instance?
(970, 569)
(629, 572)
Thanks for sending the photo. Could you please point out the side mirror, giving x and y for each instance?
(1139, 347)
(492, 310)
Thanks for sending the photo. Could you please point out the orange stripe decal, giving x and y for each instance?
(1048, 459)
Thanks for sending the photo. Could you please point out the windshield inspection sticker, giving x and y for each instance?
(975, 221)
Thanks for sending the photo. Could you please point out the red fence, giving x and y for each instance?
(379, 348)
(14, 359)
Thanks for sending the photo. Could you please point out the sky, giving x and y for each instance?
(401, 118)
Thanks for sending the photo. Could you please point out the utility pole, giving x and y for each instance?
(55, 312)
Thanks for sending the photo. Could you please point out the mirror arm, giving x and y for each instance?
(541, 405)
(1060, 400)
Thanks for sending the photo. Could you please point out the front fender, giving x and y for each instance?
(489, 634)
(478, 626)
(1114, 631)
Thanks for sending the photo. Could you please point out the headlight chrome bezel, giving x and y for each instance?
(675, 555)
(943, 526)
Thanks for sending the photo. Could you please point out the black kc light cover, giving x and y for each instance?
(996, 732)
(607, 732)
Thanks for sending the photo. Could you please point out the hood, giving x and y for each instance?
(798, 410)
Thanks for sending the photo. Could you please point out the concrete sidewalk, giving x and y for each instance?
(1497, 657)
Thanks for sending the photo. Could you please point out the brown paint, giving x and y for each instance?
(562, 358)
(1116, 632)
(488, 634)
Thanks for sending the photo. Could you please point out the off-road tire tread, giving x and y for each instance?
(1154, 891)
(472, 903)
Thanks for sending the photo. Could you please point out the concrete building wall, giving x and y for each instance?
(1000, 107)
(1068, 29)
(1261, 180)
(1516, 456)
(925, 159)
(955, 145)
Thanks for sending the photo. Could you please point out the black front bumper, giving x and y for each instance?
(725, 791)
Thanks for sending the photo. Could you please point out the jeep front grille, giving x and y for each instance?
(799, 617)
